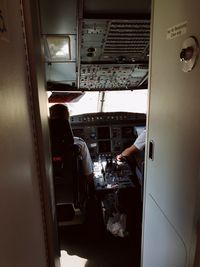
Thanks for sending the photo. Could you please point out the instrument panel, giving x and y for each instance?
(107, 134)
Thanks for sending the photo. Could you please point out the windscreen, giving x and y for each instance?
(113, 101)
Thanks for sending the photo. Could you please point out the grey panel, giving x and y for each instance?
(174, 117)
(63, 72)
(93, 35)
(58, 17)
(166, 244)
(129, 39)
(114, 40)
(22, 241)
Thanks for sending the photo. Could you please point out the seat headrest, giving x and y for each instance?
(60, 131)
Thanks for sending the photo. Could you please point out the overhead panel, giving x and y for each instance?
(113, 53)
(92, 39)
(129, 39)
(114, 40)
(112, 76)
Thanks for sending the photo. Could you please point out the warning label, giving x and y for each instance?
(177, 30)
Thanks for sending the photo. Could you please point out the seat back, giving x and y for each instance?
(65, 161)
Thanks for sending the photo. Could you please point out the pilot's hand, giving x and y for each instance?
(121, 157)
(118, 157)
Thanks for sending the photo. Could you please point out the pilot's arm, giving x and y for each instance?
(87, 165)
(137, 146)
(127, 152)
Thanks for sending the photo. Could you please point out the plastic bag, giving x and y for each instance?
(117, 224)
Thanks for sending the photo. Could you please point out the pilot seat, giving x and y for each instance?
(69, 185)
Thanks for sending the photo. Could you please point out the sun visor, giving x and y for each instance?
(65, 97)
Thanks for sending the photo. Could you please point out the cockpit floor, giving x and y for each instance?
(99, 248)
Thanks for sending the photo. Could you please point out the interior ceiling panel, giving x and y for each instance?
(104, 7)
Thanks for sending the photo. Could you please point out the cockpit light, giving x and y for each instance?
(58, 47)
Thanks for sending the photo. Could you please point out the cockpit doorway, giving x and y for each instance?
(96, 63)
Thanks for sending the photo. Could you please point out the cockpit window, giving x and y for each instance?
(112, 101)
(88, 103)
(109, 101)
(126, 101)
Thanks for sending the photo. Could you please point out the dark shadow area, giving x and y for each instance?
(93, 242)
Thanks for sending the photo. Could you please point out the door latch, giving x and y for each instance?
(151, 150)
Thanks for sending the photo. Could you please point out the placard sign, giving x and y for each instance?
(177, 30)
